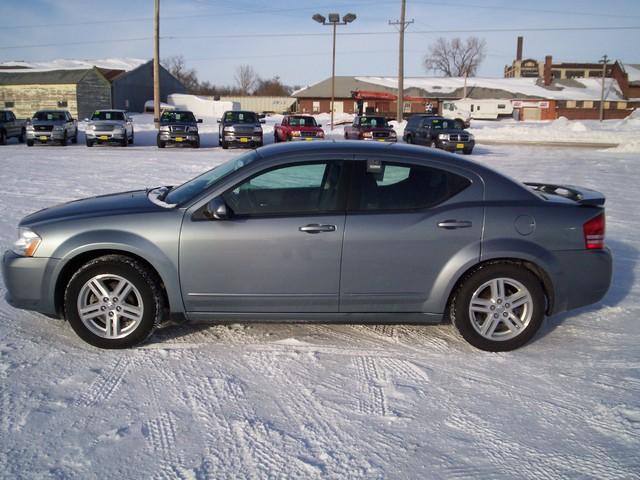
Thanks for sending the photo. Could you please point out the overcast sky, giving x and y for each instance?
(245, 31)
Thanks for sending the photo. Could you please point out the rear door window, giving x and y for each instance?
(394, 186)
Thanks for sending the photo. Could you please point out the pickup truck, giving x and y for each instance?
(370, 128)
(52, 126)
(11, 127)
(179, 127)
(241, 128)
(297, 127)
(109, 126)
(438, 132)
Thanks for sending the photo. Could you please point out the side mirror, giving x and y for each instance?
(218, 120)
(199, 120)
(86, 119)
(263, 121)
(319, 125)
(217, 209)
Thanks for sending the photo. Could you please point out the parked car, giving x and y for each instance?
(178, 127)
(335, 231)
(297, 127)
(366, 127)
(438, 132)
(109, 126)
(10, 127)
(240, 128)
(52, 126)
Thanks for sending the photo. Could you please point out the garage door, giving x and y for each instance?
(531, 113)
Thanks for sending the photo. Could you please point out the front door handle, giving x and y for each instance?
(453, 224)
(317, 228)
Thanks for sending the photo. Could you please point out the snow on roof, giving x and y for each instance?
(633, 72)
(527, 87)
(125, 64)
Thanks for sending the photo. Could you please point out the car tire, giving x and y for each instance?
(225, 145)
(22, 136)
(3, 138)
(132, 138)
(161, 144)
(433, 144)
(89, 143)
(275, 137)
(125, 140)
(196, 143)
(107, 321)
(409, 140)
(63, 142)
(29, 143)
(467, 151)
(74, 140)
(482, 312)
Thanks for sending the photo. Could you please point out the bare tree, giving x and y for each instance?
(178, 68)
(246, 78)
(456, 57)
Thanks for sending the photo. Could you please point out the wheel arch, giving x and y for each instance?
(541, 274)
(74, 263)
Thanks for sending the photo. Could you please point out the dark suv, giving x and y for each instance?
(438, 132)
(179, 127)
(240, 128)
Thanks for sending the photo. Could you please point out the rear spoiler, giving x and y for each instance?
(581, 195)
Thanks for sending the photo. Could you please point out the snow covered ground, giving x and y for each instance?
(309, 401)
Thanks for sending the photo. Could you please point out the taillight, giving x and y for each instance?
(594, 232)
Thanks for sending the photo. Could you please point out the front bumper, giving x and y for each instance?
(303, 139)
(584, 278)
(44, 137)
(27, 280)
(98, 136)
(170, 137)
(240, 139)
(381, 139)
(453, 146)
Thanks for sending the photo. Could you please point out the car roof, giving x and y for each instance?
(110, 110)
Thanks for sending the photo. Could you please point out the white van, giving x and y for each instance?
(469, 108)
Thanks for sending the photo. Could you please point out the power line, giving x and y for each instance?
(349, 34)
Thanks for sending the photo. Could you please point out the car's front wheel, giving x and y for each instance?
(161, 144)
(499, 307)
(113, 302)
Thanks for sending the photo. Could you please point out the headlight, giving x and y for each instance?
(27, 242)
(257, 129)
(58, 128)
(164, 129)
(30, 128)
(192, 129)
(295, 134)
(443, 136)
(367, 135)
(229, 129)
(91, 127)
(471, 137)
(118, 130)
(320, 134)
(392, 134)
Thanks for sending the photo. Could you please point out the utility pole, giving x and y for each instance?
(402, 24)
(603, 61)
(156, 64)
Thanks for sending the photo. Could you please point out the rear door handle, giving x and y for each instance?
(317, 228)
(453, 224)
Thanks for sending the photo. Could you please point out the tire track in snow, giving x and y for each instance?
(103, 387)
(372, 400)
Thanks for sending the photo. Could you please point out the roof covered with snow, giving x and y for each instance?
(125, 64)
(443, 87)
(633, 72)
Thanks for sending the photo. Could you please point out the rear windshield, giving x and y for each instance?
(240, 117)
(107, 116)
(302, 122)
(49, 116)
(374, 122)
(177, 117)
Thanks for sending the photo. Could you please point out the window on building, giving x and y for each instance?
(501, 106)
(561, 103)
(622, 105)
(587, 104)
(62, 104)
(407, 107)
(316, 107)
(579, 104)
(571, 104)
(9, 104)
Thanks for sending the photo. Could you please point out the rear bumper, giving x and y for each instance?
(27, 280)
(585, 278)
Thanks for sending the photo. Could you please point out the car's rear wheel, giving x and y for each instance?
(499, 307)
(113, 302)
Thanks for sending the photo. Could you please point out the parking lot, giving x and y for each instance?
(277, 400)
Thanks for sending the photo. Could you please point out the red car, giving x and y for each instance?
(370, 128)
(298, 127)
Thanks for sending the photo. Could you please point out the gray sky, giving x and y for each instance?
(215, 36)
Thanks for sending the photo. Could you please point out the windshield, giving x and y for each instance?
(107, 115)
(172, 117)
(374, 122)
(197, 185)
(442, 124)
(240, 117)
(302, 121)
(49, 116)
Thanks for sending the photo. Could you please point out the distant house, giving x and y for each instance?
(81, 90)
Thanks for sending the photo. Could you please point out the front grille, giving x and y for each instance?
(459, 137)
(307, 134)
(178, 129)
(380, 134)
(243, 130)
(43, 128)
(105, 128)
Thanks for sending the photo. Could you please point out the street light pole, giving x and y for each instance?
(603, 61)
(402, 24)
(334, 20)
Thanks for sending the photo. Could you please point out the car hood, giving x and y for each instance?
(376, 129)
(306, 129)
(48, 122)
(178, 124)
(104, 123)
(114, 204)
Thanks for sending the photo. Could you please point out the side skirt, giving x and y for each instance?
(351, 318)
